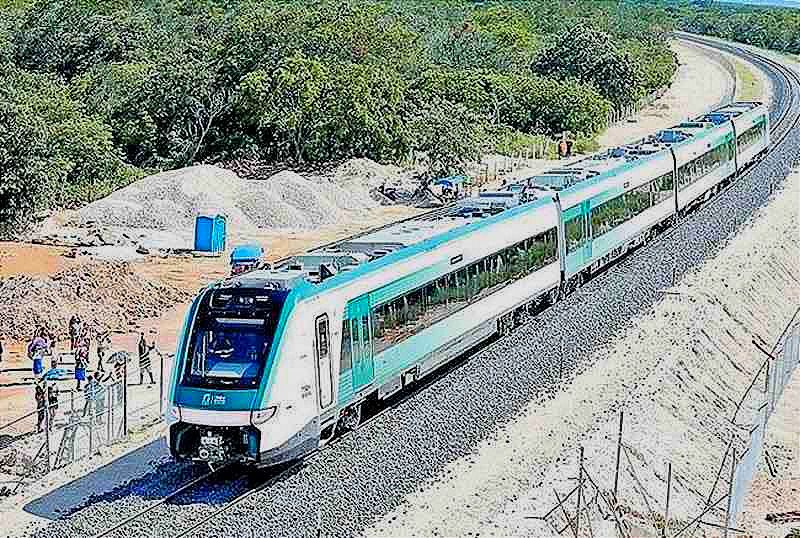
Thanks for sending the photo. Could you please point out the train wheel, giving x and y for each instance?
(351, 418)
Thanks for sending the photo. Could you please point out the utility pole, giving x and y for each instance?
(666, 508)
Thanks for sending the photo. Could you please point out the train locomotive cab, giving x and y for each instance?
(221, 407)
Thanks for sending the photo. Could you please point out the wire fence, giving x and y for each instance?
(75, 424)
(630, 509)
(778, 367)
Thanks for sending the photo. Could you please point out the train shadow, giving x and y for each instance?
(133, 473)
(146, 474)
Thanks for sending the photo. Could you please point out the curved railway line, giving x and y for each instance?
(785, 116)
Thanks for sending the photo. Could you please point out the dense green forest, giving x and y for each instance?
(95, 93)
(768, 27)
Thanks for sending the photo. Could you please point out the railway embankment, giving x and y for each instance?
(677, 372)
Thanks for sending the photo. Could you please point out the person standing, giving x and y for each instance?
(103, 345)
(116, 376)
(36, 350)
(40, 394)
(81, 361)
(74, 331)
(52, 402)
(145, 361)
(95, 398)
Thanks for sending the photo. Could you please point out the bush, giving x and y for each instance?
(50, 153)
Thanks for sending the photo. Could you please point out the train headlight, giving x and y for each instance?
(260, 416)
(174, 412)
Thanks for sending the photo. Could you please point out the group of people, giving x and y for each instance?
(42, 347)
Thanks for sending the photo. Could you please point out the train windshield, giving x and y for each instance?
(229, 347)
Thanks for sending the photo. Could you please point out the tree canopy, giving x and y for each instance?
(97, 92)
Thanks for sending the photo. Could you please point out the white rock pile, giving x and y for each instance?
(171, 200)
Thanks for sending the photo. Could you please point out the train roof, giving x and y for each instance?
(336, 263)
(614, 160)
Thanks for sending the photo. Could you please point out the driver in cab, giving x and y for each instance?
(220, 348)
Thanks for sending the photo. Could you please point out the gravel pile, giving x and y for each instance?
(299, 192)
(369, 473)
(108, 291)
(171, 200)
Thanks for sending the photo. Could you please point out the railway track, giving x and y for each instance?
(120, 529)
(785, 117)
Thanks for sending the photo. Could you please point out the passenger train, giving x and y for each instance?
(273, 363)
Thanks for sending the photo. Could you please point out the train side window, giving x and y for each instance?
(325, 379)
(366, 339)
(347, 347)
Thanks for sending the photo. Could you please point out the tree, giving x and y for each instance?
(449, 135)
(51, 154)
(289, 100)
(591, 56)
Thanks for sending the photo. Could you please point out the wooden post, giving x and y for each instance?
(109, 416)
(161, 386)
(619, 455)
(580, 491)
(47, 430)
(730, 494)
(666, 508)
(125, 399)
(91, 427)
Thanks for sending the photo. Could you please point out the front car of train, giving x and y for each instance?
(230, 396)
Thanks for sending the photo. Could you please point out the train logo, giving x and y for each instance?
(210, 399)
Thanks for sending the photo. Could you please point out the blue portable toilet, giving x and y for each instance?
(209, 233)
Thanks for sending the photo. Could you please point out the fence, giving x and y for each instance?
(777, 368)
(81, 423)
(622, 114)
(574, 510)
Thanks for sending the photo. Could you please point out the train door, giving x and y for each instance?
(363, 369)
(323, 355)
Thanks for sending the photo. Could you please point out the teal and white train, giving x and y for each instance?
(273, 363)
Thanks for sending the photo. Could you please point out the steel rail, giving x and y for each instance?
(192, 483)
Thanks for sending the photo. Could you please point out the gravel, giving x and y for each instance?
(171, 200)
(110, 291)
(368, 473)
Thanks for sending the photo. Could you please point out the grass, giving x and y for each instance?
(748, 85)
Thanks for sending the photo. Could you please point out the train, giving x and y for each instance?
(274, 363)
